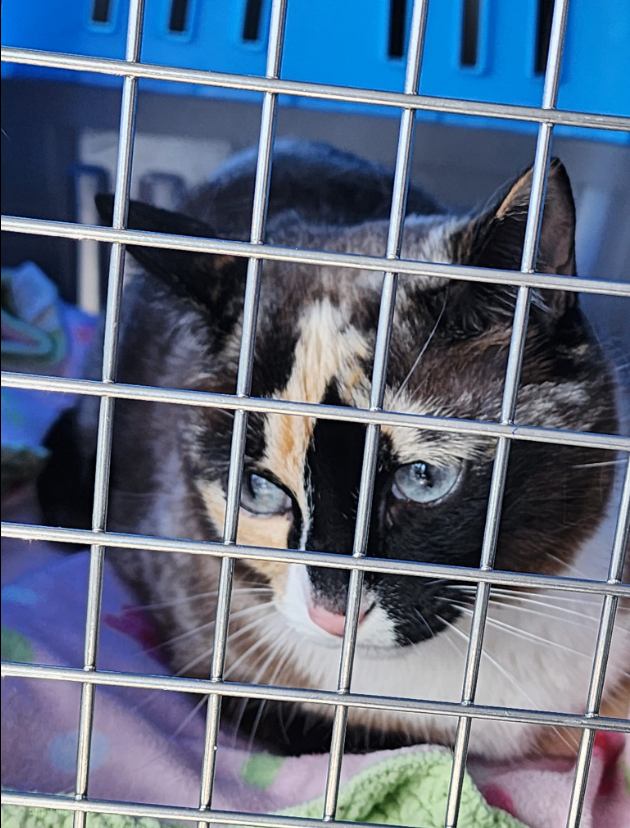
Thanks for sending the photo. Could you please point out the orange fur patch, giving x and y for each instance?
(565, 741)
(272, 532)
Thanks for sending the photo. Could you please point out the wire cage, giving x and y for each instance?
(213, 51)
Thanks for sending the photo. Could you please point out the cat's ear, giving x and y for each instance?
(495, 238)
(498, 234)
(207, 279)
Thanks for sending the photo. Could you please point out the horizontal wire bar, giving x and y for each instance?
(407, 267)
(131, 809)
(110, 678)
(303, 89)
(329, 560)
(210, 399)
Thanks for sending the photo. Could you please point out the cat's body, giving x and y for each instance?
(315, 340)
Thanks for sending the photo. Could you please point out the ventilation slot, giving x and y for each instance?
(543, 34)
(101, 11)
(470, 33)
(178, 20)
(397, 17)
(251, 24)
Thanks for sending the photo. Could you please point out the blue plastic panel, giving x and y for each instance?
(348, 42)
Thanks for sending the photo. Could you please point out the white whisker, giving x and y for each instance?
(208, 626)
(525, 635)
(264, 590)
(403, 384)
(596, 465)
(261, 642)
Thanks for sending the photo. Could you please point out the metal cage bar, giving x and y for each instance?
(304, 89)
(377, 391)
(106, 411)
(602, 651)
(547, 116)
(508, 407)
(324, 559)
(243, 387)
(326, 697)
(217, 819)
(482, 428)
(84, 232)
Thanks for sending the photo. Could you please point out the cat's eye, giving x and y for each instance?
(262, 497)
(425, 483)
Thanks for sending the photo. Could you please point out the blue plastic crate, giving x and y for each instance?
(481, 50)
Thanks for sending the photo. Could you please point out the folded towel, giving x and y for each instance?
(43, 335)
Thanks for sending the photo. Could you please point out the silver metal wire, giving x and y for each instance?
(324, 697)
(106, 411)
(602, 650)
(303, 89)
(612, 442)
(508, 406)
(324, 559)
(85, 232)
(219, 819)
(243, 386)
(504, 431)
(377, 391)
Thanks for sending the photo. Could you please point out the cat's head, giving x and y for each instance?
(450, 339)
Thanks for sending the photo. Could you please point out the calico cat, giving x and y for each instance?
(314, 343)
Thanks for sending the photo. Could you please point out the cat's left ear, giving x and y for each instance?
(210, 281)
(495, 237)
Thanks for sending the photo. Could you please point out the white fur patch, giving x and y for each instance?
(375, 632)
(537, 655)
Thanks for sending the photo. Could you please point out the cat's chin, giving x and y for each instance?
(364, 650)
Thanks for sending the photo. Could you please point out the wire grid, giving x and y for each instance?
(505, 431)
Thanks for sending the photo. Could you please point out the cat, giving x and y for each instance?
(314, 343)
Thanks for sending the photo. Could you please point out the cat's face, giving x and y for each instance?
(314, 343)
(301, 481)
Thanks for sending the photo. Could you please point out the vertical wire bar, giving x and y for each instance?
(602, 651)
(243, 385)
(106, 411)
(508, 407)
(379, 377)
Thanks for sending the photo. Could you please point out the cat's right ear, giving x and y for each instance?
(207, 279)
(495, 239)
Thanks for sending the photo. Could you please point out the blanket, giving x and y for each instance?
(147, 745)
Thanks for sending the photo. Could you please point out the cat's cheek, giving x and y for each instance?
(271, 532)
(378, 631)
(399, 513)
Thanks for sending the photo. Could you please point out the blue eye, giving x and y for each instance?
(262, 497)
(423, 482)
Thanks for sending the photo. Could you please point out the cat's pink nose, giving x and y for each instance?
(331, 622)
